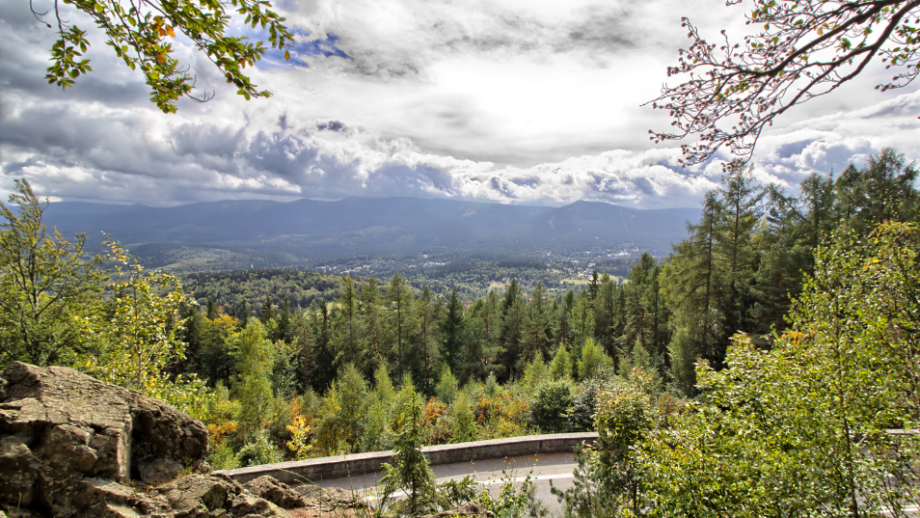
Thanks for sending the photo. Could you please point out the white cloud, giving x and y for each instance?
(516, 101)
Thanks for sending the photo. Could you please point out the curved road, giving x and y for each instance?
(550, 469)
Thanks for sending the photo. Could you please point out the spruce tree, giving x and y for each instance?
(452, 328)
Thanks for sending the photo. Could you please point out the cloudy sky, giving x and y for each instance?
(513, 101)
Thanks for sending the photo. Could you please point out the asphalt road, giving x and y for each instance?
(554, 468)
(551, 468)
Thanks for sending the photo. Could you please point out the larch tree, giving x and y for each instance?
(400, 296)
(452, 332)
(425, 335)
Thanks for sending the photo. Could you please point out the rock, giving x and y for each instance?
(216, 495)
(467, 509)
(18, 470)
(328, 497)
(158, 470)
(59, 427)
(73, 446)
(275, 492)
(196, 490)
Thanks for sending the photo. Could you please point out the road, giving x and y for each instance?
(545, 469)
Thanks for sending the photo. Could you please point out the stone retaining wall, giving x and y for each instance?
(359, 464)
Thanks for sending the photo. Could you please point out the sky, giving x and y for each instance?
(509, 101)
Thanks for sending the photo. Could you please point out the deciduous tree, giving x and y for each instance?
(802, 50)
(47, 284)
(140, 33)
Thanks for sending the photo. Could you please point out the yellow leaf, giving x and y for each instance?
(169, 30)
(287, 55)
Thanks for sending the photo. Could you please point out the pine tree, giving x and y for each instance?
(373, 327)
(452, 328)
(491, 349)
(324, 361)
(243, 315)
(266, 313)
(741, 201)
(425, 337)
(692, 286)
(399, 295)
(284, 321)
(349, 340)
(212, 309)
(512, 330)
(565, 332)
(537, 333)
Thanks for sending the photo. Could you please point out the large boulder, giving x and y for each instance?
(71, 445)
(59, 427)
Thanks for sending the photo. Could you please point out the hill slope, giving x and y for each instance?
(307, 231)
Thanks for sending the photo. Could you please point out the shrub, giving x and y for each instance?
(259, 450)
(550, 407)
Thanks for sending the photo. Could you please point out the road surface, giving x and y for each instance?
(545, 469)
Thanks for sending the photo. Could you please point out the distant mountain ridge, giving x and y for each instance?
(373, 226)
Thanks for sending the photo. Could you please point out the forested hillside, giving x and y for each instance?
(315, 364)
(241, 293)
(233, 235)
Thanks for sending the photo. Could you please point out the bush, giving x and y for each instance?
(259, 451)
(581, 413)
(446, 390)
(222, 456)
(549, 409)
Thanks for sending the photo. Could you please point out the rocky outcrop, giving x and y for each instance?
(71, 445)
(469, 509)
(275, 492)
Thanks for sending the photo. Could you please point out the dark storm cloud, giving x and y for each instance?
(598, 31)
(335, 126)
(608, 29)
(496, 184)
(529, 182)
(397, 179)
(792, 148)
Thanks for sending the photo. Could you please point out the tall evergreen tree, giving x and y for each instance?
(399, 295)
(426, 338)
(243, 315)
(565, 331)
(490, 349)
(284, 321)
(267, 312)
(373, 326)
(349, 340)
(882, 191)
(212, 309)
(742, 212)
(452, 331)
(692, 286)
(324, 361)
(512, 331)
(537, 332)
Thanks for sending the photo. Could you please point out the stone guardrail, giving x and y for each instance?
(359, 464)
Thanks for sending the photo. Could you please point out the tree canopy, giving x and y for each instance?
(140, 33)
(805, 49)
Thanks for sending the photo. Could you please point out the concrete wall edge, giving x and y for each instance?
(359, 464)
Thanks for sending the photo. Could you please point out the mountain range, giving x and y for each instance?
(308, 231)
